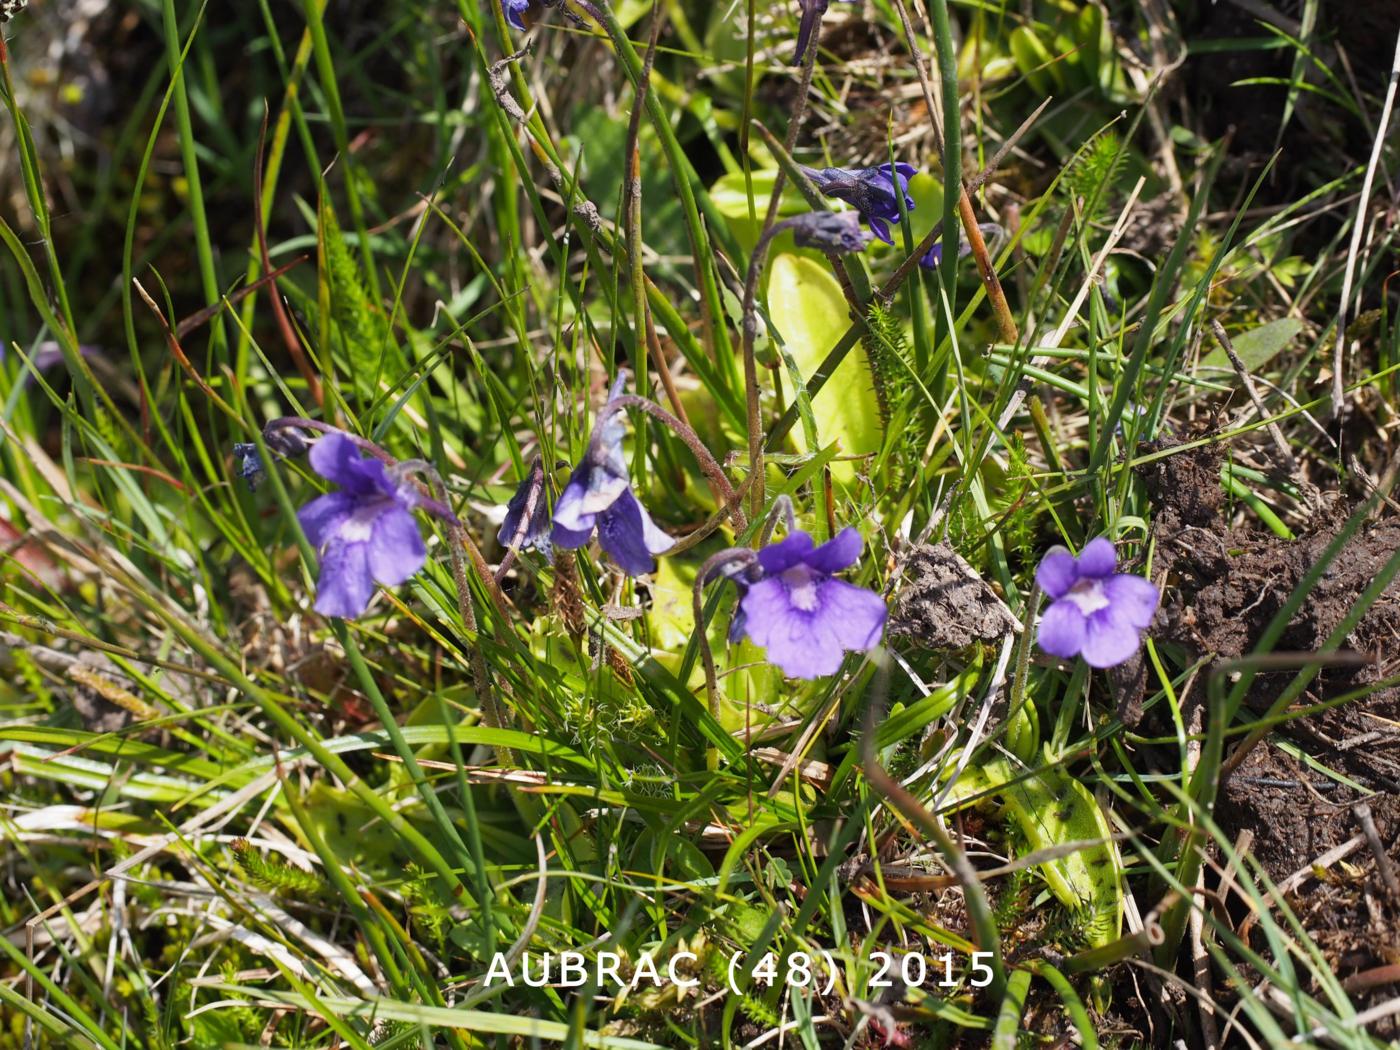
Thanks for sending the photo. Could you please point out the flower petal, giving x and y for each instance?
(811, 643)
(1110, 639)
(344, 586)
(853, 616)
(1057, 572)
(837, 553)
(323, 516)
(590, 491)
(336, 458)
(570, 512)
(569, 539)
(880, 228)
(513, 9)
(396, 548)
(791, 550)
(1098, 558)
(1062, 630)
(623, 533)
(1132, 598)
(771, 621)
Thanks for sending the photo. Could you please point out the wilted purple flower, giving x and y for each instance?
(513, 9)
(365, 533)
(829, 231)
(1096, 613)
(812, 11)
(528, 506)
(805, 619)
(599, 494)
(286, 442)
(874, 192)
(991, 232)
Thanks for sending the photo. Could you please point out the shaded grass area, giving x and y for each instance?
(230, 821)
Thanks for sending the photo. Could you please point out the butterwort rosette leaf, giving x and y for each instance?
(1096, 612)
(365, 532)
(873, 192)
(599, 497)
(798, 611)
(829, 231)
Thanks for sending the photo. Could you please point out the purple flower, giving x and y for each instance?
(513, 9)
(365, 533)
(599, 495)
(812, 11)
(529, 506)
(1096, 613)
(991, 232)
(806, 619)
(874, 192)
(829, 231)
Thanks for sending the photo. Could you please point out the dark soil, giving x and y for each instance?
(945, 605)
(1225, 585)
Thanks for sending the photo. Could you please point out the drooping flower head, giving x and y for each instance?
(365, 532)
(284, 441)
(812, 11)
(1096, 613)
(874, 192)
(527, 522)
(829, 231)
(800, 613)
(599, 495)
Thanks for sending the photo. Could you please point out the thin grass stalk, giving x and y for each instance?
(716, 336)
(189, 159)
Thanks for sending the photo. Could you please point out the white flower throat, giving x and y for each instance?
(360, 526)
(1088, 596)
(801, 582)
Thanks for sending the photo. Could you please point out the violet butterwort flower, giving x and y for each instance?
(599, 495)
(527, 521)
(812, 11)
(513, 9)
(803, 617)
(365, 533)
(874, 192)
(1096, 613)
(829, 231)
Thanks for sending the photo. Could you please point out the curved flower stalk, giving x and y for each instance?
(599, 496)
(812, 11)
(1096, 612)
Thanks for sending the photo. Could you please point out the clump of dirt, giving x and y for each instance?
(945, 605)
(1225, 584)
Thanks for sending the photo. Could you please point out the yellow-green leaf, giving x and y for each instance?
(810, 314)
